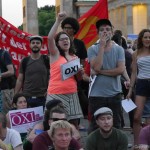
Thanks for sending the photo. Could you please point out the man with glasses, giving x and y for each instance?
(34, 74)
(43, 141)
(107, 60)
(71, 27)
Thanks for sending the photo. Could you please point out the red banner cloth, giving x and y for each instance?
(16, 42)
(88, 32)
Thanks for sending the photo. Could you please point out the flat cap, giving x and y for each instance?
(103, 110)
(36, 37)
(103, 22)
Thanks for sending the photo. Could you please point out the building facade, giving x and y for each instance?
(130, 16)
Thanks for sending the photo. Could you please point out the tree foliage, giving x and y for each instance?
(46, 19)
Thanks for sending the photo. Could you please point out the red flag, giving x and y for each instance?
(88, 32)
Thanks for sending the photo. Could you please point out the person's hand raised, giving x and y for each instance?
(61, 16)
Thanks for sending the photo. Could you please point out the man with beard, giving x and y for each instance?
(106, 137)
(34, 74)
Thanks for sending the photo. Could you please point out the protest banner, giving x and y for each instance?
(23, 119)
(16, 42)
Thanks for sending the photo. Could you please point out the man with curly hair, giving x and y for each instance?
(71, 26)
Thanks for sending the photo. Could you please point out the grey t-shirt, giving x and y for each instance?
(35, 83)
(107, 86)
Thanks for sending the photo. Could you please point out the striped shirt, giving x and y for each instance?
(143, 67)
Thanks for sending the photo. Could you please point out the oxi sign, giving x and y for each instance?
(70, 68)
(23, 119)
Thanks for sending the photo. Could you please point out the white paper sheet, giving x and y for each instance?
(128, 105)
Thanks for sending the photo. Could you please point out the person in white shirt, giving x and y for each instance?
(9, 136)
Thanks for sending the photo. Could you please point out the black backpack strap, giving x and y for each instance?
(47, 65)
(3, 58)
(24, 65)
(46, 61)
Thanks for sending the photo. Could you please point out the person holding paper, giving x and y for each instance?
(19, 102)
(61, 51)
(71, 26)
(141, 76)
(107, 59)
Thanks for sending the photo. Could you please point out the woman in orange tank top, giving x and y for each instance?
(61, 51)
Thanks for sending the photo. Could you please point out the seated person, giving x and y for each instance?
(61, 135)
(144, 138)
(8, 136)
(19, 102)
(106, 137)
(44, 126)
(43, 140)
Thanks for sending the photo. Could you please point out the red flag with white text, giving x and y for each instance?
(16, 42)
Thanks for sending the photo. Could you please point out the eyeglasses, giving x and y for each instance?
(37, 42)
(63, 39)
(69, 28)
(56, 119)
(107, 29)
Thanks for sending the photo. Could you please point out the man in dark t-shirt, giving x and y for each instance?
(6, 70)
(106, 137)
(33, 75)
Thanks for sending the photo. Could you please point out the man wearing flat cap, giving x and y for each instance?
(106, 137)
(34, 74)
(107, 60)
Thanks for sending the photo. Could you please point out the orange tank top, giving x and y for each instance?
(56, 84)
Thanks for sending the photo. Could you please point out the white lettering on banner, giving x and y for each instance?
(17, 44)
(6, 28)
(6, 48)
(3, 37)
(16, 56)
(70, 68)
(44, 47)
(15, 120)
(23, 119)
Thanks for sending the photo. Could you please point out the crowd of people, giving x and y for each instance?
(106, 73)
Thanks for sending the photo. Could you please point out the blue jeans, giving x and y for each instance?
(114, 103)
(36, 101)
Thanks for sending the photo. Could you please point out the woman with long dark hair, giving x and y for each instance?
(62, 51)
(141, 76)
